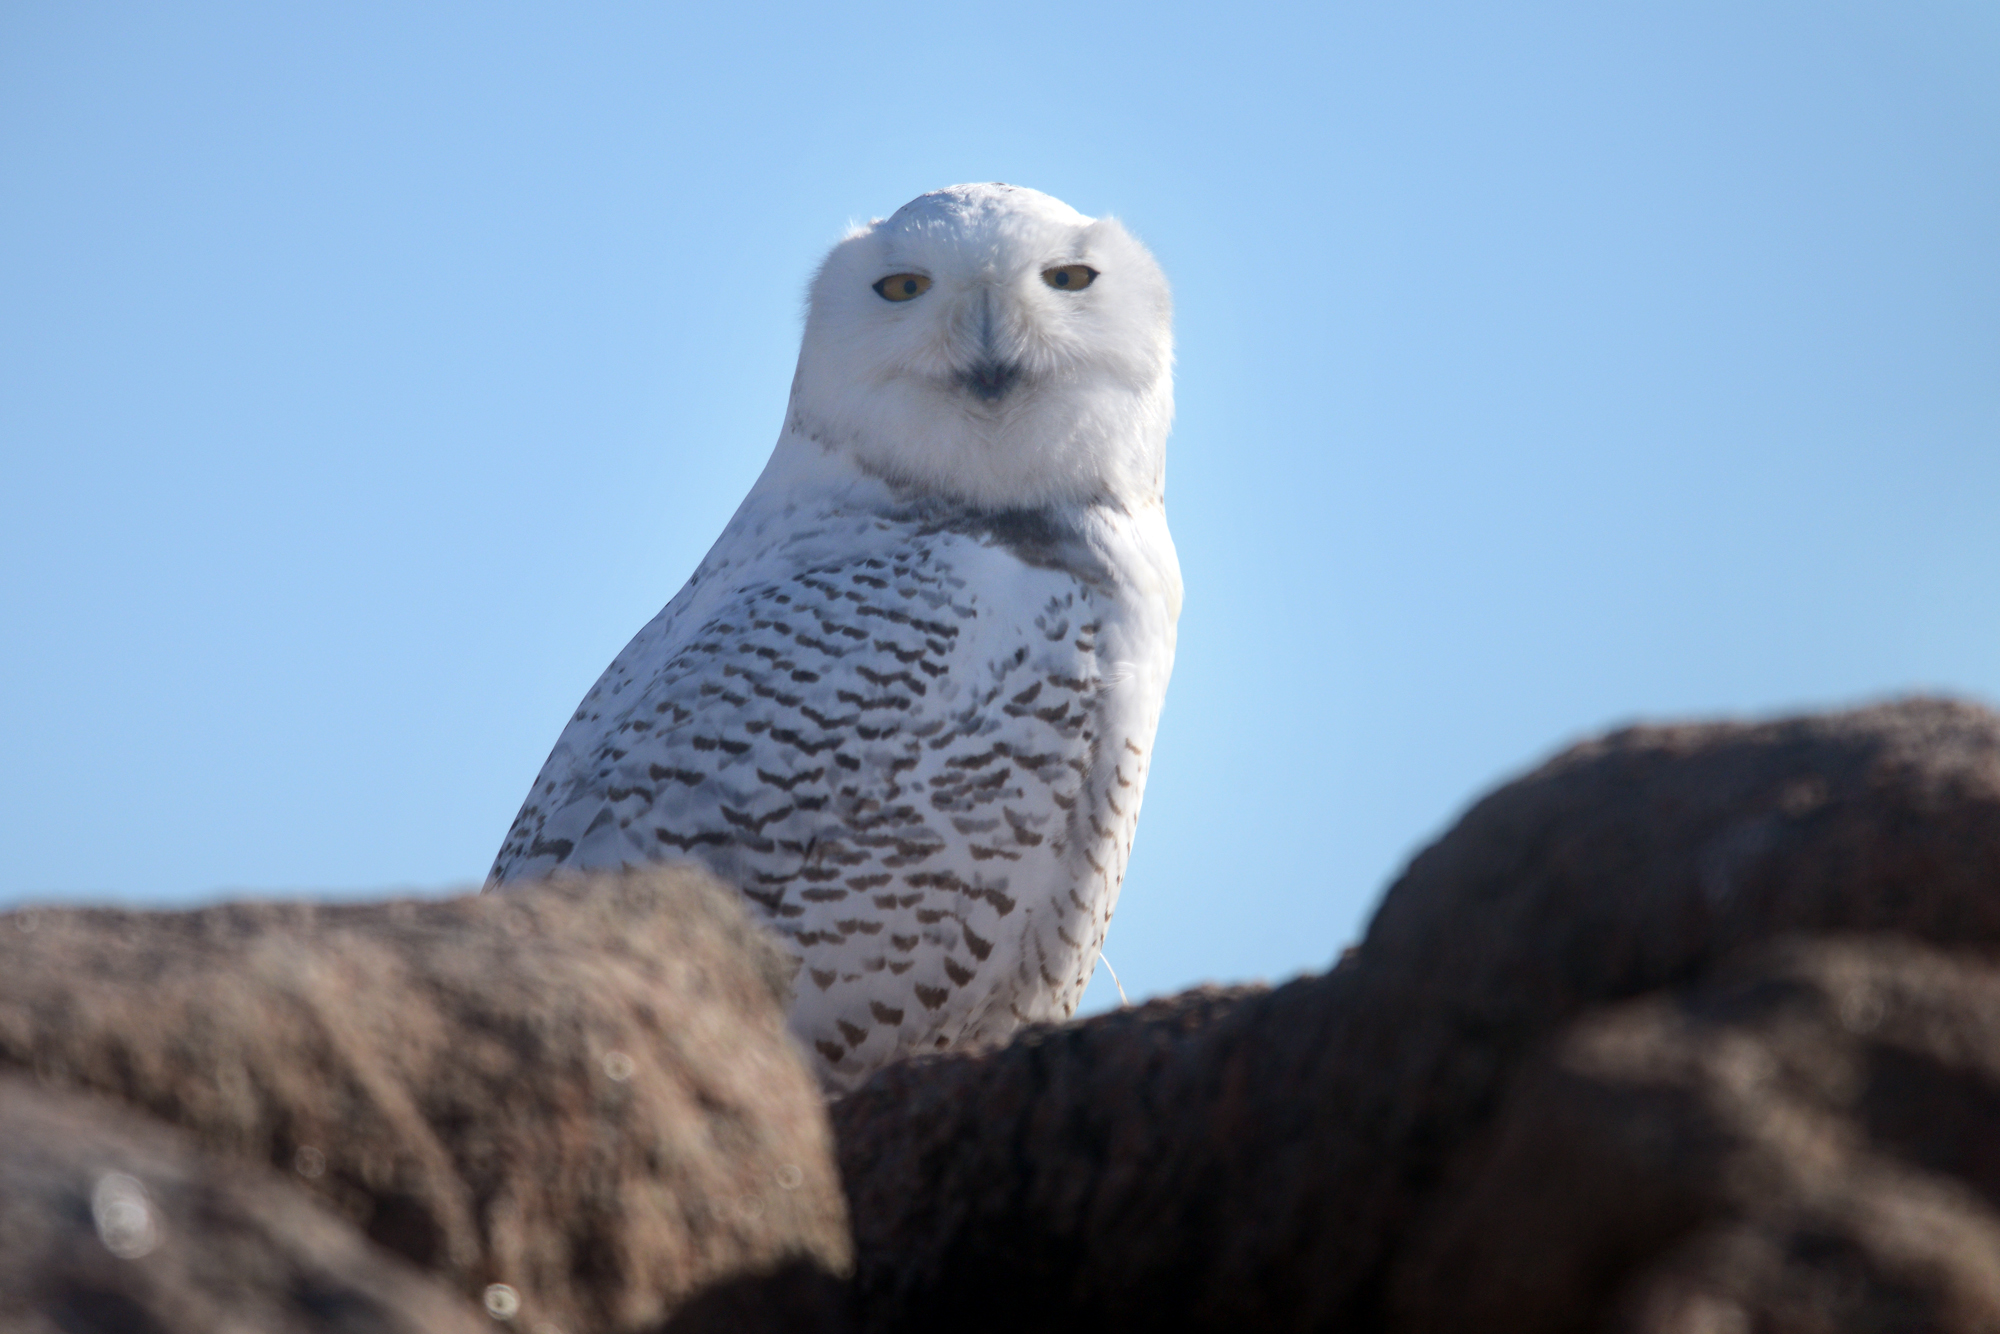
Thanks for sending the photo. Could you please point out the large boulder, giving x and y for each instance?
(113, 1223)
(1261, 1159)
(581, 1092)
(1808, 1141)
(1069, 1180)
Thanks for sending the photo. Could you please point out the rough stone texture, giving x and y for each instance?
(582, 1090)
(111, 1223)
(1808, 1143)
(1066, 1180)
(1257, 1158)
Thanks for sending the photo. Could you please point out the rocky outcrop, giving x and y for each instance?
(1808, 1140)
(1691, 1030)
(113, 1223)
(1265, 1159)
(1079, 1176)
(581, 1092)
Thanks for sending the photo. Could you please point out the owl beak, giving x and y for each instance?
(991, 375)
(989, 380)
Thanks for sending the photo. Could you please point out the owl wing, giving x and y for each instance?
(890, 734)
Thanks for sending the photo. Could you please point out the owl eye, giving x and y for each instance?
(1070, 277)
(902, 286)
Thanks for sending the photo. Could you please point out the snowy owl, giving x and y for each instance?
(906, 704)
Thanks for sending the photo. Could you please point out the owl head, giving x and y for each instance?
(988, 344)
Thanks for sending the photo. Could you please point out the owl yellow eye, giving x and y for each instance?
(1070, 277)
(902, 286)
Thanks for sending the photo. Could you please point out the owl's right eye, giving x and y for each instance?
(902, 286)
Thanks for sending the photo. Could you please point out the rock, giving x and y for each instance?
(1067, 1180)
(796, 1297)
(1258, 1158)
(581, 1091)
(1810, 1142)
(1646, 859)
(111, 1223)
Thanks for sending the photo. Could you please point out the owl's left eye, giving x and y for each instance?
(902, 286)
(1070, 277)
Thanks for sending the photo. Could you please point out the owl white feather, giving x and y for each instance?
(907, 702)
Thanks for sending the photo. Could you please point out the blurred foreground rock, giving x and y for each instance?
(1807, 1141)
(111, 1223)
(1692, 1030)
(581, 1091)
(1283, 1159)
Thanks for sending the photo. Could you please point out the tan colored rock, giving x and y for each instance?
(581, 1091)
(112, 1223)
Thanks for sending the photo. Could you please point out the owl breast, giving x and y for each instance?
(916, 742)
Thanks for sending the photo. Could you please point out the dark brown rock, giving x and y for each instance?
(582, 1090)
(112, 1223)
(1062, 1180)
(798, 1296)
(1807, 1143)
(1258, 1158)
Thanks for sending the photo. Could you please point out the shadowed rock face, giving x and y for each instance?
(1261, 1158)
(112, 1223)
(1808, 1141)
(582, 1091)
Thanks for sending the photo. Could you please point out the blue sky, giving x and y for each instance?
(369, 373)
